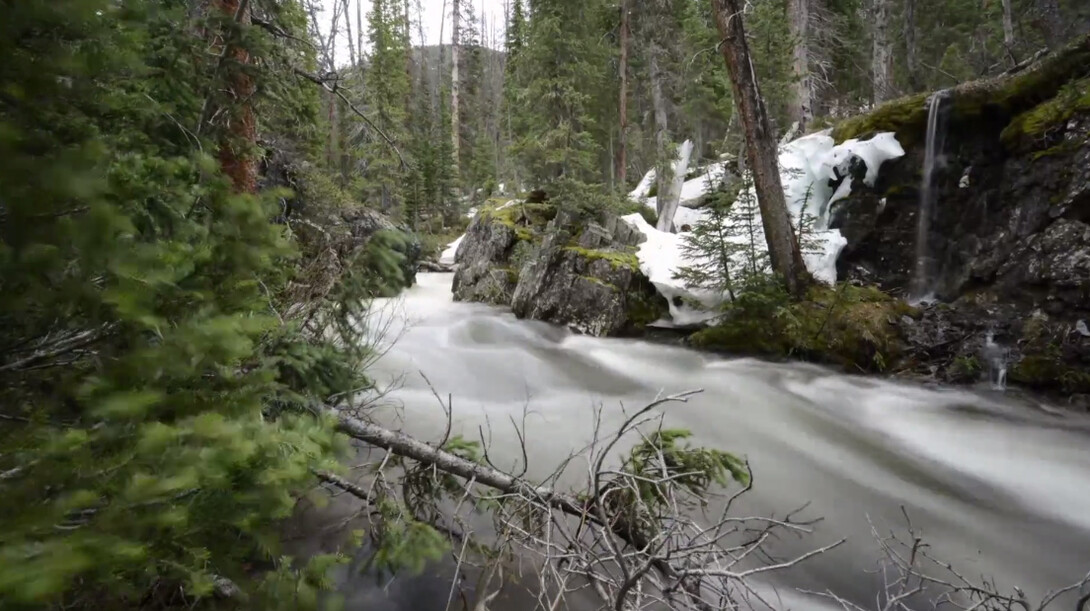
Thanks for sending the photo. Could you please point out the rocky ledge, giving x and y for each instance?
(556, 266)
(1008, 252)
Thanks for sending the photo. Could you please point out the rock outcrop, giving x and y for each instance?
(557, 267)
(1009, 237)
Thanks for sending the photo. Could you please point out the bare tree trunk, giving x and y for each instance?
(348, 32)
(621, 162)
(882, 53)
(669, 198)
(235, 151)
(802, 106)
(455, 128)
(912, 53)
(1008, 31)
(783, 248)
(662, 156)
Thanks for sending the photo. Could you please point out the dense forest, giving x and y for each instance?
(200, 199)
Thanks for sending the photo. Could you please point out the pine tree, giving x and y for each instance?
(560, 70)
(156, 413)
(386, 91)
(712, 250)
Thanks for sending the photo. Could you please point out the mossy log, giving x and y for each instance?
(1005, 95)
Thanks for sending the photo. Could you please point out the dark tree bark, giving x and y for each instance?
(236, 150)
(783, 248)
(621, 162)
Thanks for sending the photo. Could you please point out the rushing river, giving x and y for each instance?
(999, 486)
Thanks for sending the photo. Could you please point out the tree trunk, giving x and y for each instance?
(1008, 31)
(668, 200)
(783, 248)
(662, 156)
(802, 106)
(882, 53)
(455, 127)
(236, 154)
(348, 32)
(1049, 22)
(912, 53)
(621, 162)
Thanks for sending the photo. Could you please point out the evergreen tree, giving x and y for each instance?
(386, 91)
(157, 412)
(560, 69)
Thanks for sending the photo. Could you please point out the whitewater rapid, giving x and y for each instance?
(997, 485)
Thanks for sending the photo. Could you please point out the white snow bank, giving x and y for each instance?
(644, 187)
(692, 190)
(447, 256)
(807, 165)
(660, 256)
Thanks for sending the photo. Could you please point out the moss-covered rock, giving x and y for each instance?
(1051, 356)
(1028, 130)
(907, 117)
(855, 327)
(625, 258)
(595, 290)
(1004, 97)
(527, 220)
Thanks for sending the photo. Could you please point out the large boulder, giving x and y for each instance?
(495, 245)
(591, 283)
(558, 268)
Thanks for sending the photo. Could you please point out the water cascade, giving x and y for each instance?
(922, 281)
(996, 357)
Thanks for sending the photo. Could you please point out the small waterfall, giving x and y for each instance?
(922, 281)
(996, 357)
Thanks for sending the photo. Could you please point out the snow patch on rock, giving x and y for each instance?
(807, 167)
(447, 256)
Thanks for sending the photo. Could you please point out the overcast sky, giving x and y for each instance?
(435, 19)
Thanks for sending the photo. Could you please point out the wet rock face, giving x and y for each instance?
(1010, 239)
(568, 271)
(1009, 222)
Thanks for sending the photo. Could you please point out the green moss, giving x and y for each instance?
(906, 116)
(645, 308)
(1000, 96)
(600, 282)
(901, 190)
(846, 325)
(615, 258)
(1042, 365)
(512, 274)
(1029, 126)
(1062, 148)
(527, 220)
(965, 368)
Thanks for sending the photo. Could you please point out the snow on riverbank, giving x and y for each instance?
(807, 165)
(447, 256)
